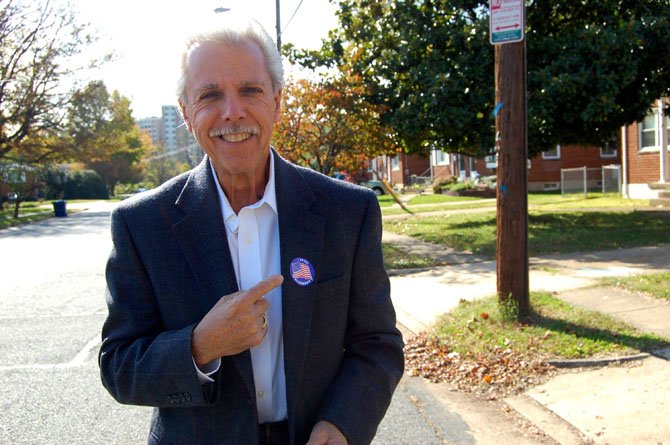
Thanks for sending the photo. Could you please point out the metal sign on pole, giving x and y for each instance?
(506, 21)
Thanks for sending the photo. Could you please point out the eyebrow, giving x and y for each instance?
(215, 86)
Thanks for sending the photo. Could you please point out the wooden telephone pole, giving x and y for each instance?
(278, 26)
(512, 149)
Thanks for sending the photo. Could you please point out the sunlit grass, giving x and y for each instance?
(656, 285)
(554, 330)
(536, 201)
(550, 201)
(548, 232)
(31, 211)
(28, 212)
(439, 198)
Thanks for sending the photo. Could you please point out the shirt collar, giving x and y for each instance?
(269, 197)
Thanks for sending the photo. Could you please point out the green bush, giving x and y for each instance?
(454, 186)
(84, 184)
(443, 184)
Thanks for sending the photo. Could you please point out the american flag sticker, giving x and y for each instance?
(302, 271)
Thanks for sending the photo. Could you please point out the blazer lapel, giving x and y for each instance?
(301, 234)
(202, 237)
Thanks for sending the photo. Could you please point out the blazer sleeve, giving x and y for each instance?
(373, 360)
(140, 362)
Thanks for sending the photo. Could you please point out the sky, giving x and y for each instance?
(147, 37)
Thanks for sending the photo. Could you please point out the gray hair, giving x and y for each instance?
(230, 36)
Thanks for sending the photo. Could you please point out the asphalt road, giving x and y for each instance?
(51, 310)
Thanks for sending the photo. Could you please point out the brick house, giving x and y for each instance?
(399, 170)
(544, 173)
(545, 168)
(645, 165)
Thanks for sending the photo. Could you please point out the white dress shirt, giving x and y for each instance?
(253, 240)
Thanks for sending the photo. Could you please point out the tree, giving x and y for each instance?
(592, 67)
(23, 181)
(160, 167)
(38, 45)
(328, 126)
(103, 135)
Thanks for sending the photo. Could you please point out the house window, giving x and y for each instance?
(491, 161)
(649, 132)
(440, 157)
(608, 151)
(395, 165)
(552, 154)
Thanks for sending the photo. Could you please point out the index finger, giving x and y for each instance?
(259, 290)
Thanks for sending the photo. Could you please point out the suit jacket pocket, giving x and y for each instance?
(333, 289)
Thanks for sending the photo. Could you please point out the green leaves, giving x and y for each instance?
(102, 134)
(592, 67)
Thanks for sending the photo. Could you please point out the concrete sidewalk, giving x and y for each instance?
(616, 404)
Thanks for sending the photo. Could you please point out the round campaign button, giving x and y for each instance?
(302, 271)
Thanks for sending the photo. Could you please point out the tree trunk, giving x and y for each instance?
(17, 204)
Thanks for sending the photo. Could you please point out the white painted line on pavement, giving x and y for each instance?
(78, 359)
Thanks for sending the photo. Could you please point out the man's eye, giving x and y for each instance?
(252, 90)
(209, 95)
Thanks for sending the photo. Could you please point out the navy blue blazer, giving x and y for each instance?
(170, 264)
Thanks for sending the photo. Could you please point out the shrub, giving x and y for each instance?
(84, 184)
(442, 184)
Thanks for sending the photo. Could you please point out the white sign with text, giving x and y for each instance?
(506, 21)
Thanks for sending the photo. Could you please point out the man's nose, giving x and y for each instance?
(233, 108)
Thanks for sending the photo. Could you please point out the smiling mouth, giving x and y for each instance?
(237, 137)
(234, 134)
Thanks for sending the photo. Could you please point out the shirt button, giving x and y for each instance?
(260, 394)
(247, 240)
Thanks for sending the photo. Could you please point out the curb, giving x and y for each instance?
(551, 424)
(593, 363)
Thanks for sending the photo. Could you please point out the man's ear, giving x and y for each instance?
(182, 108)
(278, 96)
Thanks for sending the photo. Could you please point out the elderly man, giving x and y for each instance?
(248, 300)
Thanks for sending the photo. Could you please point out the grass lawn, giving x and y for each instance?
(548, 232)
(655, 285)
(385, 201)
(439, 199)
(28, 212)
(551, 201)
(31, 211)
(536, 201)
(478, 348)
(564, 331)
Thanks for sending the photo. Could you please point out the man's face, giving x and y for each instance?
(231, 107)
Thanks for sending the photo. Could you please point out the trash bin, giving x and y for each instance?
(60, 208)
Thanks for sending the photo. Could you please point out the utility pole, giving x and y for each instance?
(663, 140)
(278, 28)
(507, 34)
